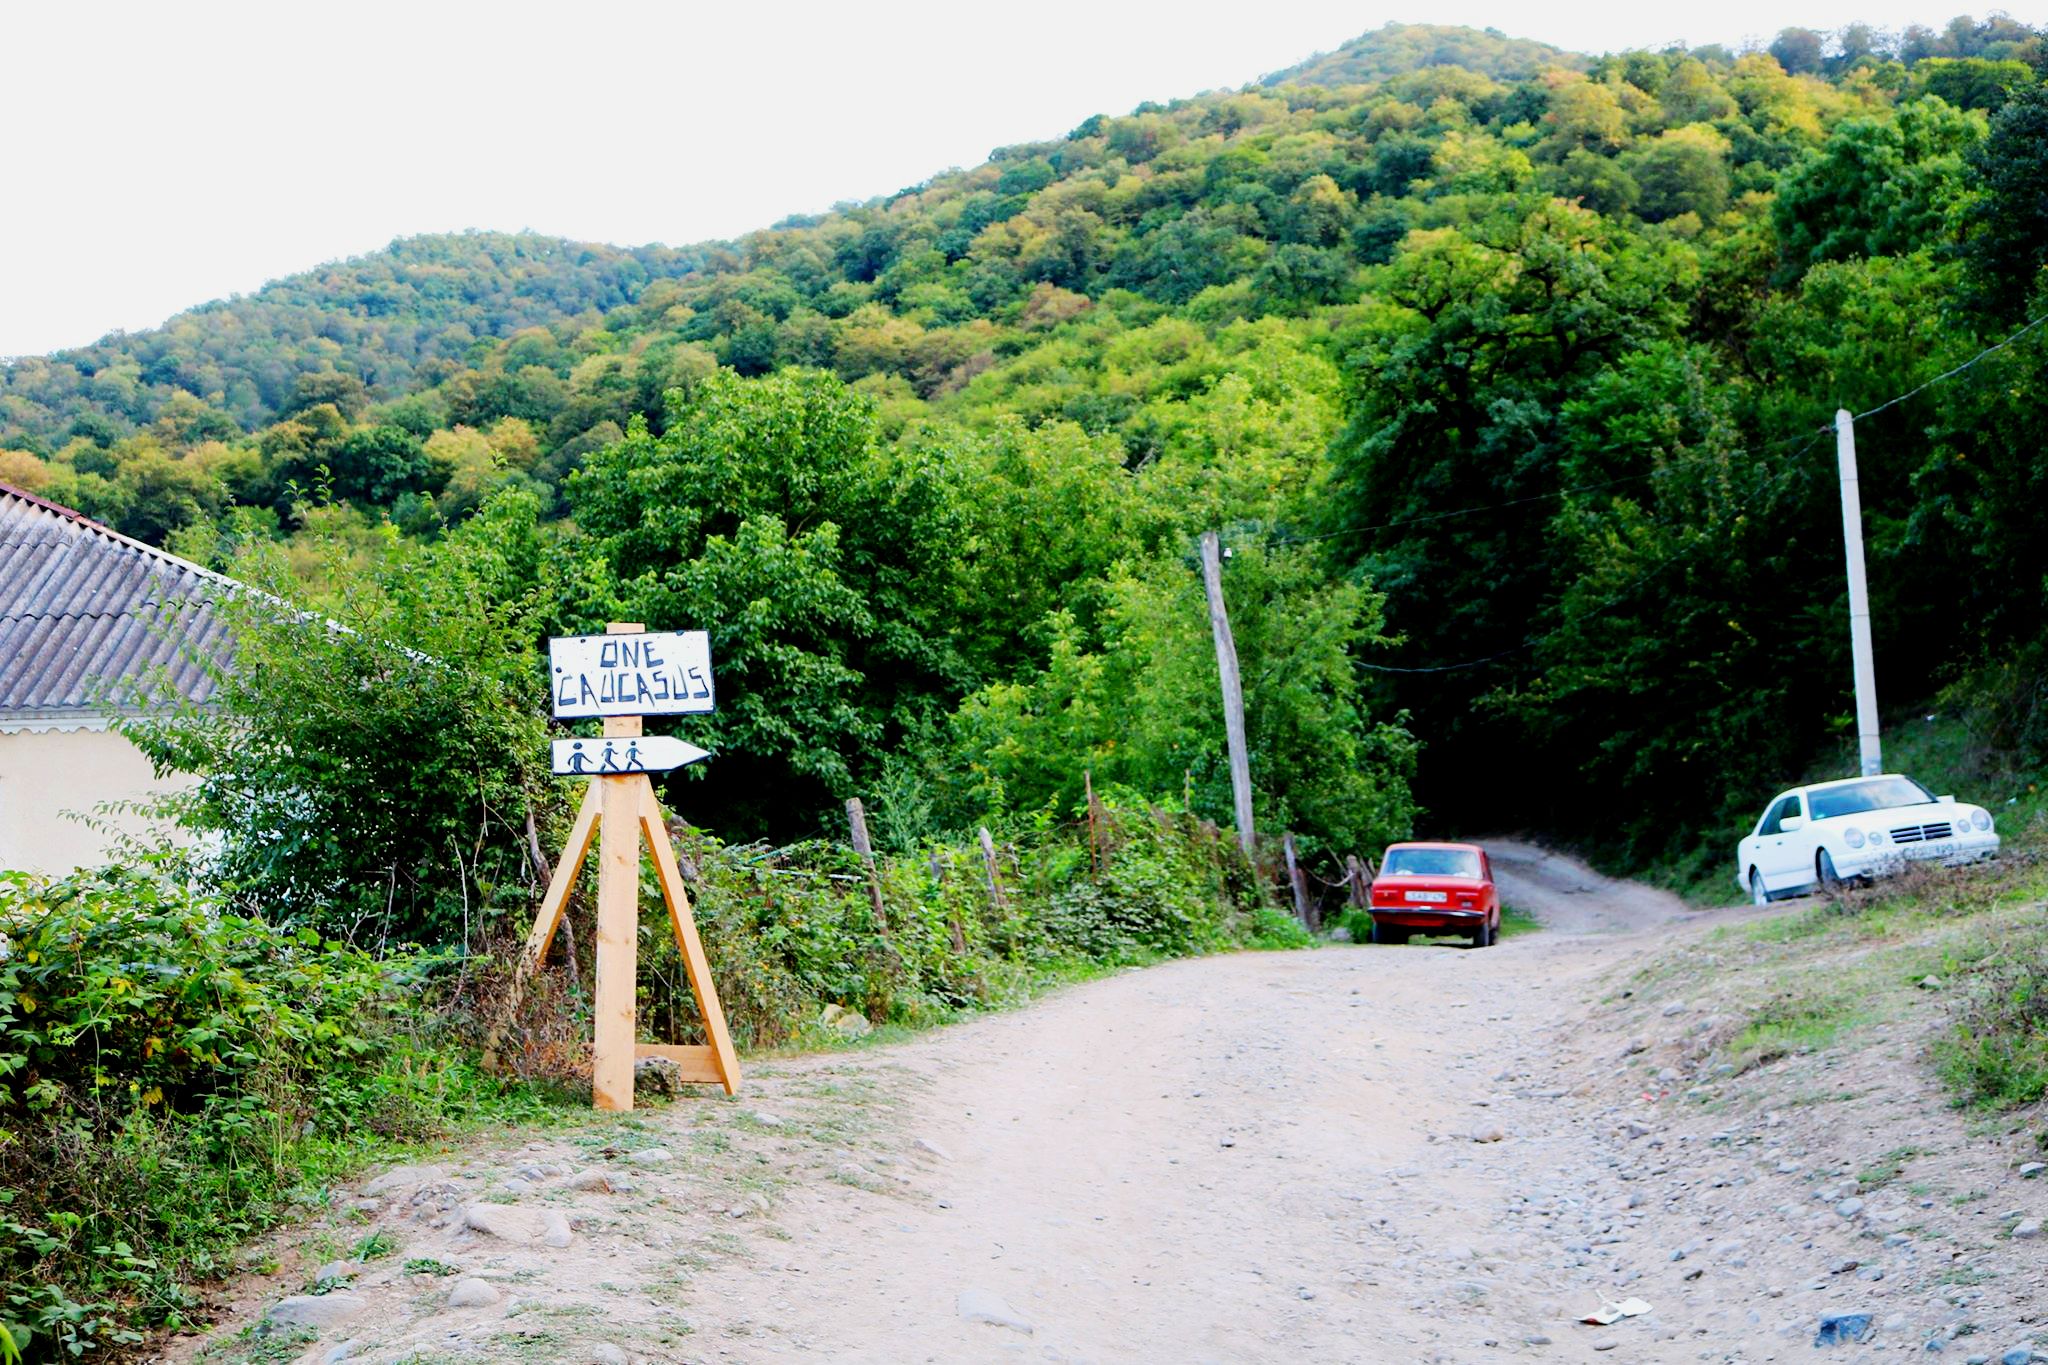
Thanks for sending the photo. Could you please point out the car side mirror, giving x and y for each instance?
(1791, 823)
(1950, 799)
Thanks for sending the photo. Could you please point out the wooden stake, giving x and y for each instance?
(1233, 691)
(1359, 883)
(988, 860)
(1094, 848)
(696, 965)
(618, 929)
(1295, 881)
(857, 822)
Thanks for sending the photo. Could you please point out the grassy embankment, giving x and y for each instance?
(1946, 966)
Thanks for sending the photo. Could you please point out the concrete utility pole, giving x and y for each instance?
(1859, 597)
(1233, 690)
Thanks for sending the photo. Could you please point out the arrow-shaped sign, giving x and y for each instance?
(644, 754)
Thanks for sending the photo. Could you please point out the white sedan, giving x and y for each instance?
(1821, 835)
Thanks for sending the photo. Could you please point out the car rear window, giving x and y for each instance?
(1431, 862)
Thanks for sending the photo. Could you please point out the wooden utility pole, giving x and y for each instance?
(1233, 691)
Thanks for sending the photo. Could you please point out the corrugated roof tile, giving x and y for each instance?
(86, 614)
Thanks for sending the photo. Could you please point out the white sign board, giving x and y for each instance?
(659, 673)
(639, 754)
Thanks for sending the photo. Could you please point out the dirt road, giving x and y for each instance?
(1425, 1153)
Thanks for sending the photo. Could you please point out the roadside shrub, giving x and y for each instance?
(792, 930)
(1996, 1052)
(170, 1075)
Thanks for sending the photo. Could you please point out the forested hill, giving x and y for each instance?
(1397, 49)
(398, 319)
(1505, 379)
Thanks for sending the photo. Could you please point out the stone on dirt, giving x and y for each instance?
(506, 1223)
(604, 1353)
(2030, 1169)
(980, 1305)
(315, 1310)
(651, 1156)
(2027, 1229)
(845, 1022)
(404, 1178)
(334, 1271)
(1837, 1328)
(472, 1293)
(554, 1229)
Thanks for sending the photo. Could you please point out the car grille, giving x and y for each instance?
(1920, 834)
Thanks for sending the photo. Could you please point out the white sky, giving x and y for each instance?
(160, 155)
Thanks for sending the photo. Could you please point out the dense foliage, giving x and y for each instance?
(1485, 358)
(174, 1078)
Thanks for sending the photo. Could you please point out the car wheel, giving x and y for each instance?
(1830, 880)
(1387, 935)
(1482, 937)
(1757, 894)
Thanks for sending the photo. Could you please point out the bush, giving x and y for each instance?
(170, 1076)
(791, 930)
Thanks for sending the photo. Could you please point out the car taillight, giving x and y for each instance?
(1466, 901)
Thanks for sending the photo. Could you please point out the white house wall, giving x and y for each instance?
(48, 778)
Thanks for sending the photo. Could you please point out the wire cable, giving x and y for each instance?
(1951, 374)
(1624, 595)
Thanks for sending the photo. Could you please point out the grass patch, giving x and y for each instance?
(1995, 1056)
(1791, 1023)
(1885, 1169)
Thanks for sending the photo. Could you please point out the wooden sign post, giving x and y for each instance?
(623, 675)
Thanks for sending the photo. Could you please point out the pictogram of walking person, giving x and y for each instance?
(576, 758)
(609, 762)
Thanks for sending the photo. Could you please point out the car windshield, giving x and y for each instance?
(1431, 862)
(1879, 793)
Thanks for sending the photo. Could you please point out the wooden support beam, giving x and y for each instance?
(696, 1064)
(618, 921)
(695, 965)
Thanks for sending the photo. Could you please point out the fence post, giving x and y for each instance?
(1295, 881)
(857, 822)
(988, 860)
(1354, 873)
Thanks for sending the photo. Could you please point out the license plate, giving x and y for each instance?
(1433, 897)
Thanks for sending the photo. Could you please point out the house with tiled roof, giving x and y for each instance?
(92, 624)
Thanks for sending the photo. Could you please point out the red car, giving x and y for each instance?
(1435, 889)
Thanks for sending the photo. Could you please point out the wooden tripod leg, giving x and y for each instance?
(725, 1060)
(547, 921)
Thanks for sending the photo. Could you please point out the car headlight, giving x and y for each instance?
(1982, 819)
(1853, 838)
(1877, 836)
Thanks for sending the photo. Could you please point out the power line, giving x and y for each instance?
(1533, 641)
(1654, 473)
(1658, 472)
(1951, 374)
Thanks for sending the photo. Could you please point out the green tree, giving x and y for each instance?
(2008, 222)
(368, 766)
(823, 564)
(1878, 187)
